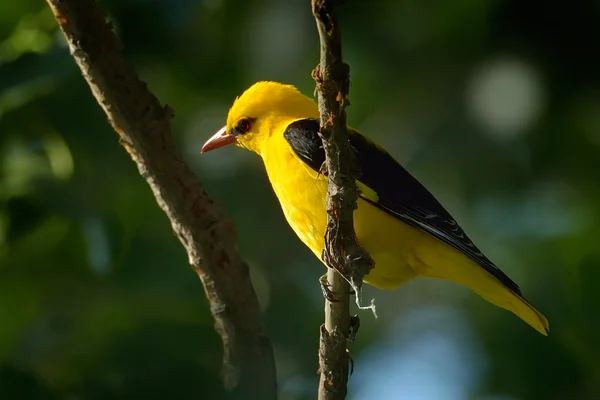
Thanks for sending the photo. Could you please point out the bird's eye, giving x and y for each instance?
(244, 126)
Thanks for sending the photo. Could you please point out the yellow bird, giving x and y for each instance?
(404, 228)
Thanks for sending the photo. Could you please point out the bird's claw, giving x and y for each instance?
(323, 169)
(327, 293)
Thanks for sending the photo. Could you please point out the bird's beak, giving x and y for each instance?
(219, 139)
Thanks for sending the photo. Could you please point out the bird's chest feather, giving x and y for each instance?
(301, 193)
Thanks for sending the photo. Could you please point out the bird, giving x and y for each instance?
(407, 232)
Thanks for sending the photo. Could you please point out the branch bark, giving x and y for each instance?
(205, 231)
(350, 263)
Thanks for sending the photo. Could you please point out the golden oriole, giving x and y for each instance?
(404, 228)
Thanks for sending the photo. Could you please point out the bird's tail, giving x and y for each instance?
(463, 271)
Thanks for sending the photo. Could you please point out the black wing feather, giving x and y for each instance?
(406, 199)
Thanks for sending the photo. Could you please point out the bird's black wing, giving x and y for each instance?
(399, 193)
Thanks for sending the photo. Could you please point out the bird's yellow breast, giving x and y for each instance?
(302, 193)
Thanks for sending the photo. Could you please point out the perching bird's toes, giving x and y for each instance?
(323, 169)
(327, 293)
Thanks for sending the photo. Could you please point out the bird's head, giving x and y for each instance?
(258, 113)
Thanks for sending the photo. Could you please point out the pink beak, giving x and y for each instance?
(219, 139)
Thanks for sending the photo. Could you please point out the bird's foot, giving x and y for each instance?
(327, 293)
(323, 169)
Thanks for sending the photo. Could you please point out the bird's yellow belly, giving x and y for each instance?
(391, 243)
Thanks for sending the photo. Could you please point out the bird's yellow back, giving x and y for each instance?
(301, 191)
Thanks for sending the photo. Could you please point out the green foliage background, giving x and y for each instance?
(493, 105)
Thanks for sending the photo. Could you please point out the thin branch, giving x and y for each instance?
(206, 232)
(341, 248)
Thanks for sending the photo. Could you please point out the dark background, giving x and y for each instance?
(493, 105)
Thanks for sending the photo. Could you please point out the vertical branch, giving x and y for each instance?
(205, 231)
(348, 261)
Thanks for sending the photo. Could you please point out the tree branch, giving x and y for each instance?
(342, 251)
(206, 232)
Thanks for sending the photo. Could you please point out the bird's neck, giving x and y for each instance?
(273, 124)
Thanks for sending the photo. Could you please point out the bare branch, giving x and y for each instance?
(342, 251)
(206, 232)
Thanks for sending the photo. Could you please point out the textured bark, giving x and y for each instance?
(205, 231)
(342, 251)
